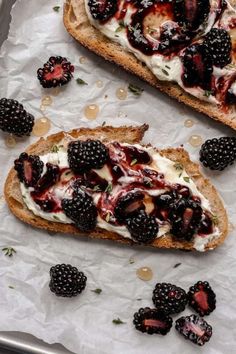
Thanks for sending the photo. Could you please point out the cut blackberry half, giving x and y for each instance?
(142, 227)
(185, 217)
(86, 155)
(81, 210)
(218, 46)
(218, 153)
(102, 10)
(14, 119)
(66, 280)
(171, 298)
(128, 205)
(202, 298)
(56, 72)
(29, 169)
(197, 67)
(194, 328)
(191, 14)
(152, 321)
(48, 179)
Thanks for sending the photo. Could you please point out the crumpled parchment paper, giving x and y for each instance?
(84, 324)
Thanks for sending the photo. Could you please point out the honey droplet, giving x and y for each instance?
(82, 60)
(91, 111)
(10, 141)
(41, 126)
(99, 83)
(188, 123)
(195, 140)
(144, 273)
(121, 93)
(46, 101)
(42, 108)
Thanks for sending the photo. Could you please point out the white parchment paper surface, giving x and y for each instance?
(84, 324)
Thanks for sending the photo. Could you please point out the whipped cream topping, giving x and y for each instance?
(168, 171)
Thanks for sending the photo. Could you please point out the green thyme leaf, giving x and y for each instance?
(215, 219)
(121, 26)
(107, 217)
(167, 66)
(177, 265)
(139, 299)
(55, 148)
(56, 218)
(103, 124)
(207, 93)
(136, 90)
(165, 72)
(117, 321)
(9, 251)
(133, 162)
(97, 291)
(11, 287)
(131, 261)
(179, 167)
(81, 81)
(56, 8)
(109, 188)
(96, 188)
(186, 179)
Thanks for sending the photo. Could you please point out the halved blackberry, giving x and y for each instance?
(128, 204)
(14, 119)
(86, 155)
(191, 13)
(66, 280)
(218, 46)
(194, 328)
(49, 178)
(102, 9)
(171, 298)
(81, 210)
(185, 217)
(197, 67)
(202, 298)
(218, 153)
(152, 321)
(47, 205)
(142, 227)
(57, 71)
(29, 169)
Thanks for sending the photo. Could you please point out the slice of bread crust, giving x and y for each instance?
(78, 25)
(130, 135)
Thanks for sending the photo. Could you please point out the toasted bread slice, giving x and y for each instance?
(122, 134)
(78, 25)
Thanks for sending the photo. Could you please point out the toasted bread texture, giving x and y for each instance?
(122, 134)
(78, 25)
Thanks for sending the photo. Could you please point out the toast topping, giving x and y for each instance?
(128, 189)
(191, 43)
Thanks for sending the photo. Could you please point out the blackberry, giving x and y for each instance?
(202, 298)
(152, 321)
(66, 280)
(47, 205)
(49, 178)
(81, 210)
(185, 217)
(86, 155)
(56, 72)
(102, 9)
(194, 328)
(142, 227)
(197, 67)
(29, 169)
(191, 14)
(218, 46)
(14, 119)
(169, 297)
(128, 204)
(219, 153)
